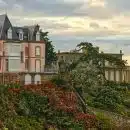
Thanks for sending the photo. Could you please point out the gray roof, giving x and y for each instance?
(28, 31)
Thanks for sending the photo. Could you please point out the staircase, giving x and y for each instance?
(82, 101)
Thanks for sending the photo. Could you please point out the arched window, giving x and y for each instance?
(9, 33)
(38, 36)
(20, 35)
(37, 51)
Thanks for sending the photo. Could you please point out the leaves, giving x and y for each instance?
(50, 54)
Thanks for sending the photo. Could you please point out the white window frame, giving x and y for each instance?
(9, 33)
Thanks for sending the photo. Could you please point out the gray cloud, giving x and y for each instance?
(56, 8)
(47, 24)
(119, 5)
(46, 8)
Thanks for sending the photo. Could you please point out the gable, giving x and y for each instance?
(6, 24)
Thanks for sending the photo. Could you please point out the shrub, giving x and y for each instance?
(105, 122)
(58, 81)
(107, 98)
(127, 103)
(32, 104)
(120, 109)
(25, 123)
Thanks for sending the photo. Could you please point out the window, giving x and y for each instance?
(37, 51)
(21, 35)
(26, 64)
(7, 64)
(9, 33)
(37, 65)
(26, 51)
(38, 36)
(14, 65)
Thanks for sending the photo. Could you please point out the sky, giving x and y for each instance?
(106, 23)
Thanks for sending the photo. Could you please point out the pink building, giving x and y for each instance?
(21, 48)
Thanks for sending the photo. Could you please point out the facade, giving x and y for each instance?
(21, 48)
(112, 72)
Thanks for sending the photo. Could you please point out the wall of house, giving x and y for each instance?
(1, 58)
(33, 57)
(12, 52)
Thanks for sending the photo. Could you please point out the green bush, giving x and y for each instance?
(128, 113)
(105, 122)
(31, 104)
(120, 109)
(107, 98)
(127, 103)
(58, 81)
(24, 123)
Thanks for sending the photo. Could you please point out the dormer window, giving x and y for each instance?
(20, 35)
(9, 33)
(38, 36)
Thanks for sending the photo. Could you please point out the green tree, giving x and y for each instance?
(88, 72)
(50, 54)
(92, 56)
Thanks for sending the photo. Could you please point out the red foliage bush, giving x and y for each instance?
(59, 99)
(88, 120)
(14, 90)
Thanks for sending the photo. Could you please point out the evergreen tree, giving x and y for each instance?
(50, 54)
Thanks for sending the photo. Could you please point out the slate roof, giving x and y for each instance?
(29, 32)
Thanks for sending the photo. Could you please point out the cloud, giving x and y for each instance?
(3, 3)
(119, 5)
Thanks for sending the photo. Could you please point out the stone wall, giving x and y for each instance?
(25, 78)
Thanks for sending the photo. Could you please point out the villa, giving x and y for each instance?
(22, 52)
(112, 72)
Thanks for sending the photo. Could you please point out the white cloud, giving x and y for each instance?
(96, 3)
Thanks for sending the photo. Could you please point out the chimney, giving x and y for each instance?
(120, 51)
(58, 51)
(37, 27)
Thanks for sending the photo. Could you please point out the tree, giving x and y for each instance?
(88, 72)
(50, 54)
(92, 56)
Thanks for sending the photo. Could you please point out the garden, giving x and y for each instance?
(78, 98)
(41, 106)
